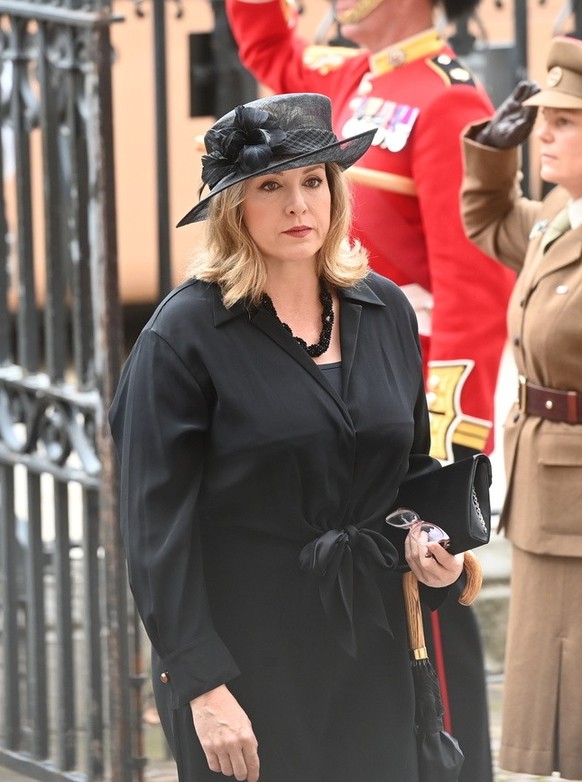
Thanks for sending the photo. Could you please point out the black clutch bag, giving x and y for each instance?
(456, 498)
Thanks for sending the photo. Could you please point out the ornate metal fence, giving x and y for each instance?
(66, 710)
(70, 660)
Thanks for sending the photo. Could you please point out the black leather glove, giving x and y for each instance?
(512, 123)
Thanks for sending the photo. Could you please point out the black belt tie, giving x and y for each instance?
(336, 556)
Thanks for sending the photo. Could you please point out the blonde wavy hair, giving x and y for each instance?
(231, 258)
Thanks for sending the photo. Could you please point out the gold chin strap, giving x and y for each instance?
(360, 11)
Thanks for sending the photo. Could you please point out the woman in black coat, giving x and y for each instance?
(264, 421)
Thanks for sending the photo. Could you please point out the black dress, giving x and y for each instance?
(253, 498)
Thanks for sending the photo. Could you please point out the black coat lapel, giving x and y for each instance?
(275, 330)
(350, 324)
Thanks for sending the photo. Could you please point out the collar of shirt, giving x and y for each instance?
(575, 212)
(420, 45)
(361, 293)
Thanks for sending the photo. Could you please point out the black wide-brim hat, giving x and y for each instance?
(268, 135)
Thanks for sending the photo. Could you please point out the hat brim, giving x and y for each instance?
(554, 99)
(344, 152)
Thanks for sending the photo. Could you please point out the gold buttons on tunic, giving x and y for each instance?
(165, 677)
(549, 404)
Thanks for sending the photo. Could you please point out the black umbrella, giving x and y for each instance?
(439, 756)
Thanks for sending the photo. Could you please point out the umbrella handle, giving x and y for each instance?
(412, 607)
(474, 579)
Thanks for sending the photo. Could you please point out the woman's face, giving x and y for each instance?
(560, 136)
(287, 214)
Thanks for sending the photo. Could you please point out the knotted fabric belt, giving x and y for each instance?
(550, 403)
(338, 557)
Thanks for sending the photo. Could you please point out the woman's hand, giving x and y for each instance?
(430, 562)
(226, 734)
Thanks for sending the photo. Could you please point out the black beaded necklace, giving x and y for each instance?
(327, 319)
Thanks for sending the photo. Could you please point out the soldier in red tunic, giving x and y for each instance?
(406, 82)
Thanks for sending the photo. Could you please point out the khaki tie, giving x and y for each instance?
(558, 226)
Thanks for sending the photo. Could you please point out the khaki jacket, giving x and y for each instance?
(543, 459)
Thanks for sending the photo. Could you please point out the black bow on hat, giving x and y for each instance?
(272, 134)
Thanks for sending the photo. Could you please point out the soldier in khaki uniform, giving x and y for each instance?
(542, 515)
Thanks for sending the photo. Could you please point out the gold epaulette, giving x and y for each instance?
(450, 70)
(324, 59)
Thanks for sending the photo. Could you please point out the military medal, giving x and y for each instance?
(393, 121)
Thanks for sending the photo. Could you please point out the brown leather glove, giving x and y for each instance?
(512, 123)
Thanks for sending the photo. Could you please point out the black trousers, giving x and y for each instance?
(459, 651)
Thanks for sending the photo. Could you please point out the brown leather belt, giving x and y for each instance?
(550, 403)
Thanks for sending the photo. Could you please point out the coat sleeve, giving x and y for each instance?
(158, 419)
(496, 217)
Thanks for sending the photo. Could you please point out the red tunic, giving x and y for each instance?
(407, 197)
